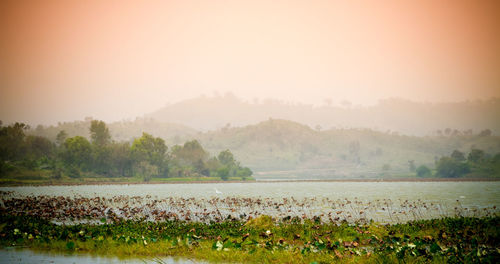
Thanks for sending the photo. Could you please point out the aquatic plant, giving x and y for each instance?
(218, 209)
(454, 240)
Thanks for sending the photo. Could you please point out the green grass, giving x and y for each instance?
(263, 240)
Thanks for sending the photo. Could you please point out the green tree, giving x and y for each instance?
(121, 159)
(39, 147)
(150, 149)
(212, 165)
(61, 137)
(423, 171)
(190, 153)
(244, 173)
(201, 168)
(191, 157)
(147, 170)
(449, 168)
(77, 153)
(99, 133)
(458, 155)
(12, 145)
(101, 159)
(223, 173)
(226, 158)
(476, 155)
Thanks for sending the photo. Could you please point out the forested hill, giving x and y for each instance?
(280, 145)
(403, 116)
(289, 148)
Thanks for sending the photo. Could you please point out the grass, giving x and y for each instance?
(264, 240)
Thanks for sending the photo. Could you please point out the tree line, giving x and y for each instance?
(75, 157)
(476, 164)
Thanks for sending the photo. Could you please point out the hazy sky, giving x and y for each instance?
(64, 60)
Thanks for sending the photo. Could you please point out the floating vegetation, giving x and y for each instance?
(453, 240)
(206, 210)
(258, 230)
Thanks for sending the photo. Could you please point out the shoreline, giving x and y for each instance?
(258, 181)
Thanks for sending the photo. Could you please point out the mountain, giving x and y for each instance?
(289, 149)
(402, 116)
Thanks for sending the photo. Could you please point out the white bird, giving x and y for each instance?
(217, 191)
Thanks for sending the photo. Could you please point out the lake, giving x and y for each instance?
(19, 256)
(311, 198)
(383, 202)
(480, 194)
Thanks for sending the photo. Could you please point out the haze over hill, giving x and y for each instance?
(299, 140)
(397, 115)
(286, 149)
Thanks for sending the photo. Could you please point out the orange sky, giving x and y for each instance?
(64, 60)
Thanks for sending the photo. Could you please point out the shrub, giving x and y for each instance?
(450, 168)
(423, 171)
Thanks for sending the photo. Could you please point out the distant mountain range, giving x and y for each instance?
(396, 115)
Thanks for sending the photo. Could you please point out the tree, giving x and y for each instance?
(201, 167)
(244, 173)
(61, 137)
(99, 133)
(101, 159)
(39, 147)
(212, 165)
(226, 157)
(449, 168)
(458, 155)
(191, 153)
(485, 133)
(150, 149)
(101, 153)
(223, 173)
(147, 170)
(121, 159)
(77, 153)
(423, 171)
(476, 155)
(12, 145)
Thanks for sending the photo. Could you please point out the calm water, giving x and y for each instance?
(16, 256)
(477, 194)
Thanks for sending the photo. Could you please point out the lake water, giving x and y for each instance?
(383, 202)
(480, 194)
(21, 256)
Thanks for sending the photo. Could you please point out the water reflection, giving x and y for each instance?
(16, 256)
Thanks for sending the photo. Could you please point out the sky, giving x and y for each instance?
(66, 60)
